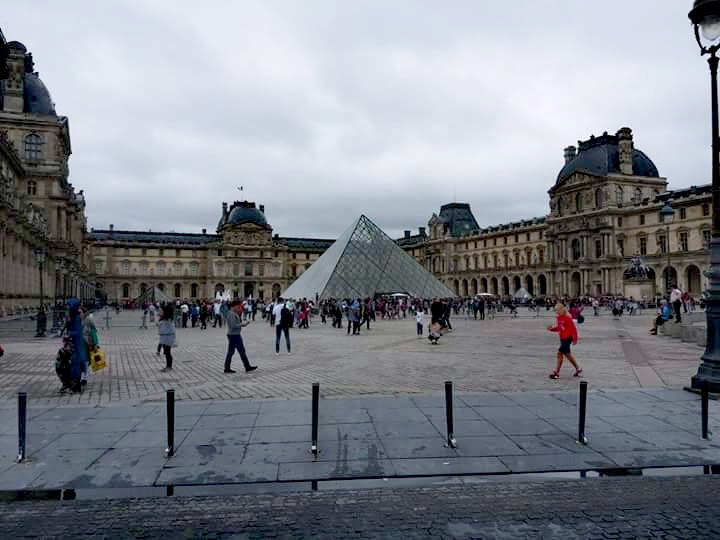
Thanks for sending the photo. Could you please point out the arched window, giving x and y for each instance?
(178, 290)
(194, 290)
(126, 290)
(576, 251)
(33, 147)
(32, 187)
(143, 288)
(619, 196)
(579, 202)
(598, 198)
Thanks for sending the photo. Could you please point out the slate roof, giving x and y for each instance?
(459, 218)
(152, 237)
(600, 156)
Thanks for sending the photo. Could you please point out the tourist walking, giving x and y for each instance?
(419, 317)
(283, 321)
(567, 331)
(79, 359)
(676, 301)
(235, 342)
(143, 322)
(166, 335)
(217, 314)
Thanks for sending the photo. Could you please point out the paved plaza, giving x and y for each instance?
(492, 355)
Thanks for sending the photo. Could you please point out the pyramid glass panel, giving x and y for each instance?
(363, 262)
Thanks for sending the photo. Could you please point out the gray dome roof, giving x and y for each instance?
(37, 96)
(245, 212)
(600, 156)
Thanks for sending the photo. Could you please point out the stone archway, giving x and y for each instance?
(473, 286)
(276, 290)
(483, 285)
(575, 284)
(530, 285)
(542, 284)
(672, 281)
(517, 283)
(693, 282)
(494, 286)
(456, 286)
(505, 286)
(464, 288)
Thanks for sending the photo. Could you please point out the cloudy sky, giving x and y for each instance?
(326, 109)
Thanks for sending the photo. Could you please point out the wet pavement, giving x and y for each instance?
(246, 441)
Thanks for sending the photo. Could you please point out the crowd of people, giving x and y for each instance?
(432, 317)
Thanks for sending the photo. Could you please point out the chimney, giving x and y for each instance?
(13, 95)
(262, 208)
(625, 150)
(204, 231)
(112, 227)
(407, 234)
(570, 153)
(224, 207)
(422, 231)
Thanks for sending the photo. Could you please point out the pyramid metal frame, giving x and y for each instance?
(363, 262)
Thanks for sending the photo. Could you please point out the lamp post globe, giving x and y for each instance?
(705, 17)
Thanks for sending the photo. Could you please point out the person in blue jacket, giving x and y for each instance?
(79, 361)
(663, 317)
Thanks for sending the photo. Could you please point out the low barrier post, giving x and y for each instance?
(452, 443)
(704, 396)
(582, 409)
(22, 426)
(315, 409)
(170, 450)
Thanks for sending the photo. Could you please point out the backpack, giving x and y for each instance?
(286, 318)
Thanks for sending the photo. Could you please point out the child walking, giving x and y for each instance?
(565, 327)
(419, 315)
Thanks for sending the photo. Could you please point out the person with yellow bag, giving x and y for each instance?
(92, 345)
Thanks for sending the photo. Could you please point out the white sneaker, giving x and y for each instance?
(289, 353)
(277, 354)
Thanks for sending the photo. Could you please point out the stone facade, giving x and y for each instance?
(39, 208)
(604, 208)
(242, 258)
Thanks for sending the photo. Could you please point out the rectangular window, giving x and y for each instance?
(248, 269)
(475, 244)
(161, 252)
(642, 219)
(494, 241)
(540, 235)
(663, 244)
(683, 241)
(517, 238)
(541, 256)
(598, 249)
(177, 253)
(621, 246)
(706, 210)
(484, 243)
(643, 246)
(707, 237)
(527, 237)
(261, 270)
(219, 252)
(144, 251)
(505, 240)
(294, 255)
(619, 221)
(683, 213)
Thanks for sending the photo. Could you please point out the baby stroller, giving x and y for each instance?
(63, 368)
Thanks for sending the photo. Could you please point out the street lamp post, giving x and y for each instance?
(667, 214)
(41, 317)
(705, 17)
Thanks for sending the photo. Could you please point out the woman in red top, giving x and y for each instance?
(567, 331)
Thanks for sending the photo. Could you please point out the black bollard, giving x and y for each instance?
(582, 439)
(314, 485)
(22, 426)
(170, 450)
(452, 443)
(704, 395)
(315, 408)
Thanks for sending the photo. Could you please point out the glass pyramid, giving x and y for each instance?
(363, 262)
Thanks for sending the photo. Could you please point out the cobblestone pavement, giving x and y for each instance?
(493, 355)
(661, 508)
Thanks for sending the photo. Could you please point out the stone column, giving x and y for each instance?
(62, 225)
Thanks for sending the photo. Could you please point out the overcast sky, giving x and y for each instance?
(326, 109)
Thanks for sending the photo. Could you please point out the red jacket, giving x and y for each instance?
(565, 327)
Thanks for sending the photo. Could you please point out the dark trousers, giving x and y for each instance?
(279, 330)
(482, 314)
(203, 323)
(677, 304)
(235, 343)
(419, 329)
(184, 320)
(193, 321)
(168, 355)
(218, 320)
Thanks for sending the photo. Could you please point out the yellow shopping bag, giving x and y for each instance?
(97, 359)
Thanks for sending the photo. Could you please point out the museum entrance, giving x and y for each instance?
(248, 290)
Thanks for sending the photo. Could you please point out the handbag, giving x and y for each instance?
(97, 359)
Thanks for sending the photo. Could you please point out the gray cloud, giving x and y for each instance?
(325, 110)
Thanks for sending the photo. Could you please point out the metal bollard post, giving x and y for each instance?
(22, 426)
(170, 450)
(704, 395)
(315, 407)
(452, 443)
(582, 439)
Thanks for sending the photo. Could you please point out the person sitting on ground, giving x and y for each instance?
(664, 315)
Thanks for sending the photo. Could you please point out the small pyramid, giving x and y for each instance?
(363, 262)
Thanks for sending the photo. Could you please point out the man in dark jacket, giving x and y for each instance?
(235, 342)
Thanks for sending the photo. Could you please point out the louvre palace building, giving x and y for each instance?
(604, 207)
